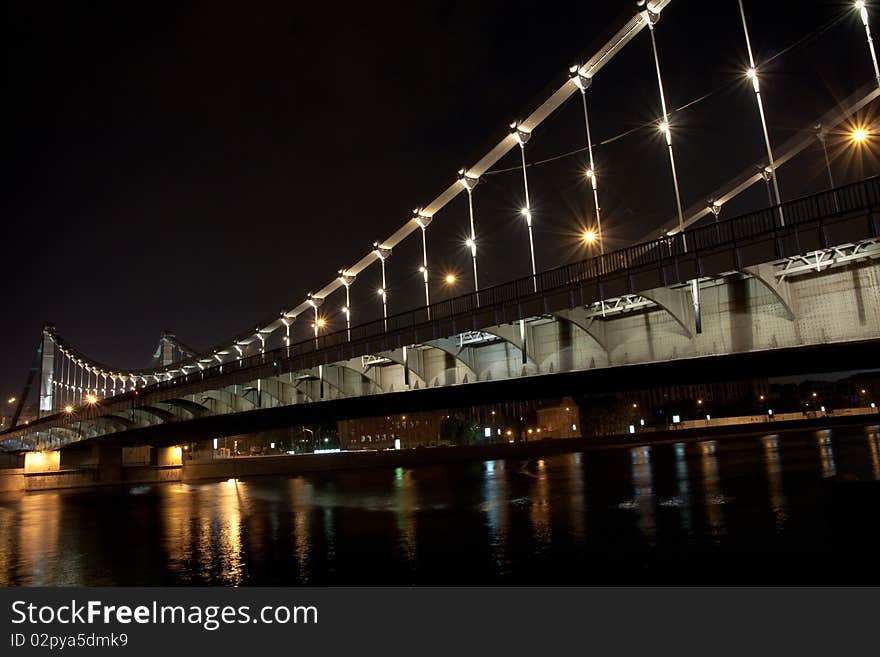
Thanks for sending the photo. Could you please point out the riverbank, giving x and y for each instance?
(16, 479)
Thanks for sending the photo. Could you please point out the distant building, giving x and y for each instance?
(561, 421)
(411, 429)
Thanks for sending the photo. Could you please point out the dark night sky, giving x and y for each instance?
(198, 166)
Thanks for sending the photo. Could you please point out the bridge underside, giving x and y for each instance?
(826, 297)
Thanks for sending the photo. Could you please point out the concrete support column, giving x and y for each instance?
(105, 459)
(166, 455)
(46, 461)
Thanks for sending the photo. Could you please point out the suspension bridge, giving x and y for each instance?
(797, 274)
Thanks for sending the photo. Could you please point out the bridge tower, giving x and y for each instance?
(166, 348)
(47, 370)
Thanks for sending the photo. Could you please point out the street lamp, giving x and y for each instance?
(859, 136)
(589, 237)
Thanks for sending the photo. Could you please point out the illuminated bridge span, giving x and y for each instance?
(797, 273)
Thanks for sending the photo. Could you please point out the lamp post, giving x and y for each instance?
(582, 82)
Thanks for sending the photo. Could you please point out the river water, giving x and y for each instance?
(755, 509)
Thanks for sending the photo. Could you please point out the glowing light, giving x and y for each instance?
(663, 127)
(751, 73)
(860, 4)
(469, 242)
(589, 236)
(321, 322)
(380, 291)
(68, 409)
(590, 174)
(859, 135)
(91, 399)
(450, 279)
(525, 212)
(11, 400)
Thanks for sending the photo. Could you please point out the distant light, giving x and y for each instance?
(321, 323)
(450, 279)
(699, 402)
(589, 236)
(769, 411)
(215, 443)
(859, 135)
(508, 432)
(469, 242)
(676, 419)
(397, 443)
(590, 173)
(422, 269)
(68, 409)
(708, 417)
(271, 445)
(632, 429)
(525, 212)
(91, 399)
(487, 432)
(11, 400)
(380, 291)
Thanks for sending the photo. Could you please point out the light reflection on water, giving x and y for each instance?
(496, 521)
(778, 502)
(713, 498)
